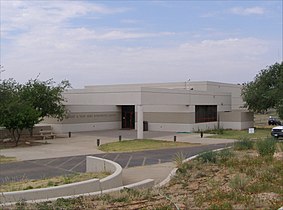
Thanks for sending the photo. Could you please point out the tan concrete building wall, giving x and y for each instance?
(102, 98)
(234, 89)
(236, 116)
(236, 120)
(87, 118)
(169, 117)
(168, 106)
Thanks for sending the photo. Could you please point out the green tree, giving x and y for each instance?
(266, 91)
(23, 106)
(15, 114)
(46, 97)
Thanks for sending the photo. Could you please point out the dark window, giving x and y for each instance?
(206, 113)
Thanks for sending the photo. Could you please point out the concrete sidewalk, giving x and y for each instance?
(85, 143)
(158, 172)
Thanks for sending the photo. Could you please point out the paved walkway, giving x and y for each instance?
(68, 155)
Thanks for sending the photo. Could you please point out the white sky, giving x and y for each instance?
(114, 42)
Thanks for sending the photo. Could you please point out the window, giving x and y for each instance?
(206, 113)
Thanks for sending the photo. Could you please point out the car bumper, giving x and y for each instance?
(276, 134)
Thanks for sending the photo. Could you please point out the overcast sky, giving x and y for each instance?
(116, 42)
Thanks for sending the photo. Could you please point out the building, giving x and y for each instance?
(180, 107)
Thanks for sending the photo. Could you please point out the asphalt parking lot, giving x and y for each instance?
(50, 167)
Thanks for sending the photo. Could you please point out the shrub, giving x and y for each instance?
(50, 184)
(225, 155)
(44, 206)
(207, 157)
(214, 157)
(221, 206)
(28, 187)
(243, 144)
(238, 182)
(67, 180)
(218, 131)
(21, 205)
(266, 147)
(62, 203)
(122, 199)
(179, 159)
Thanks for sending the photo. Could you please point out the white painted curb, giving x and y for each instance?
(144, 184)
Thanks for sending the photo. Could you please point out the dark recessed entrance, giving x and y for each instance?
(128, 117)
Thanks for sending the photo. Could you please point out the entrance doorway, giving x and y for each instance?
(128, 117)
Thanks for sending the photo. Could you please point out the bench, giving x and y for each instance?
(47, 133)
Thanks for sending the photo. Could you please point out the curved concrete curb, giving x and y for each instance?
(93, 164)
(109, 184)
(147, 183)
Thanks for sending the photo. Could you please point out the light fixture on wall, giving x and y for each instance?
(187, 84)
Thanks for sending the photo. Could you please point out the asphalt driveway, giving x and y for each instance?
(50, 167)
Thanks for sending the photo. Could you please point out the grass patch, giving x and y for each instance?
(4, 159)
(262, 130)
(50, 182)
(141, 144)
(240, 134)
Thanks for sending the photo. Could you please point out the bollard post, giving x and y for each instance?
(70, 134)
(201, 134)
(175, 138)
(98, 142)
(120, 138)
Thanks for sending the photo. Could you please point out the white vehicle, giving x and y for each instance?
(277, 131)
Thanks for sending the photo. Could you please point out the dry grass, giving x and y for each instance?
(49, 182)
(4, 159)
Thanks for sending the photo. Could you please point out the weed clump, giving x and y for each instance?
(207, 157)
(244, 144)
(266, 147)
(238, 182)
